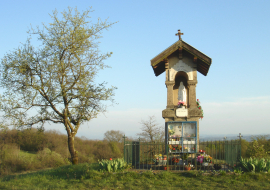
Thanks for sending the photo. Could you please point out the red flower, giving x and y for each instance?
(173, 148)
(110, 158)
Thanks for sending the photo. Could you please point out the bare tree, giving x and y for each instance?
(151, 131)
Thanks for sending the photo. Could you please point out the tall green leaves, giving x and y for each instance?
(113, 165)
(255, 164)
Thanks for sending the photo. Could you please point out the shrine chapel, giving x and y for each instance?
(180, 62)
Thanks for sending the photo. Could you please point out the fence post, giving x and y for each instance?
(240, 141)
(139, 156)
(124, 148)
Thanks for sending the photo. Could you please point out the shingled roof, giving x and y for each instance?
(203, 61)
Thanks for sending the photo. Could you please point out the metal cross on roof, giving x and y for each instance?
(179, 34)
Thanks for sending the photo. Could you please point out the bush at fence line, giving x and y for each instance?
(255, 164)
(257, 150)
(113, 165)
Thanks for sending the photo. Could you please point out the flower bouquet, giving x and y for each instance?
(199, 106)
(204, 159)
(171, 131)
(175, 147)
(181, 103)
(208, 159)
(175, 160)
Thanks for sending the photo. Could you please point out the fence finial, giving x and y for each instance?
(240, 136)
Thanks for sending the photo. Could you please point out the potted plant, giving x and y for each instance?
(166, 168)
(175, 160)
(188, 167)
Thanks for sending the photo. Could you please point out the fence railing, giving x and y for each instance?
(212, 155)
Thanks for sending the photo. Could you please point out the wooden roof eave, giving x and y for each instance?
(204, 61)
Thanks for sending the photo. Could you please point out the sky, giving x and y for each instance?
(235, 94)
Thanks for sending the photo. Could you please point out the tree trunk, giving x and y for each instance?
(73, 152)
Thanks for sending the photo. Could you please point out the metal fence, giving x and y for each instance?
(212, 155)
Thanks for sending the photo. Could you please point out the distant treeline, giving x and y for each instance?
(249, 138)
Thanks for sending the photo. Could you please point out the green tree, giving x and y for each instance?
(55, 82)
(114, 136)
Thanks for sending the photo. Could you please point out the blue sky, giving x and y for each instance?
(234, 95)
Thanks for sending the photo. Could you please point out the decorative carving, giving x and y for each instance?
(169, 83)
(191, 83)
(166, 64)
(180, 55)
(195, 59)
(181, 66)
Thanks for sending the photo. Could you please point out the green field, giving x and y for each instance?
(88, 176)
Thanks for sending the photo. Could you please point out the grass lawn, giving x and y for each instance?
(86, 176)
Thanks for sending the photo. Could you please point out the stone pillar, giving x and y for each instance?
(170, 85)
(192, 93)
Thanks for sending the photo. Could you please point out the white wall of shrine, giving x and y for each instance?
(186, 65)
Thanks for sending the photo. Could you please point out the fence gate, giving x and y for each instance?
(232, 152)
(132, 152)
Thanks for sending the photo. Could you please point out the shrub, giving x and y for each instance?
(50, 158)
(31, 139)
(57, 142)
(10, 160)
(256, 150)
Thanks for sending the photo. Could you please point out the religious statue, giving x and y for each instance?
(182, 93)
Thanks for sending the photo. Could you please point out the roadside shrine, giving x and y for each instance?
(182, 149)
(180, 62)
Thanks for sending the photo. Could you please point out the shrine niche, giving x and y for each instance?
(180, 62)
